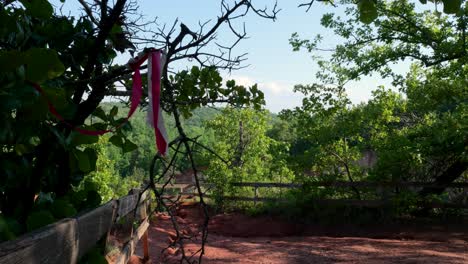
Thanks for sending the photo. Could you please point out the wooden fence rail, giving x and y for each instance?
(344, 184)
(67, 240)
(351, 184)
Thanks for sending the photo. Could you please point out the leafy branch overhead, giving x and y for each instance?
(73, 59)
(400, 33)
(368, 9)
(419, 133)
(49, 170)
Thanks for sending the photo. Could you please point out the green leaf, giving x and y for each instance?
(98, 126)
(83, 160)
(92, 157)
(230, 84)
(14, 226)
(60, 33)
(8, 22)
(44, 198)
(22, 149)
(107, 56)
(93, 199)
(116, 29)
(98, 112)
(60, 100)
(451, 6)
(62, 208)
(80, 139)
(114, 111)
(72, 162)
(129, 146)
(127, 126)
(38, 8)
(39, 219)
(367, 11)
(42, 64)
(90, 185)
(77, 198)
(34, 141)
(96, 257)
(5, 232)
(11, 60)
(117, 141)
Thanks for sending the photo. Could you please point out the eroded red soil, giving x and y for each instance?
(236, 238)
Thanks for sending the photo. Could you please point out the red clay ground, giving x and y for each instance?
(236, 238)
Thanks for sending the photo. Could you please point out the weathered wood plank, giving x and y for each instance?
(126, 205)
(68, 240)
(146, 255)
(142, 210)
(350, 184)
(350, 202)
(53, 244)
(145, 196)
(93, 225)
(443, 205)
(388, 184)
(129, 248)
(248, 199)
(174, 186)
(267, 184)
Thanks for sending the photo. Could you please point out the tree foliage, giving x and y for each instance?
(71, 58)
(50, 170)
(418, 135)
(368, 10)
(400, 33)
(109, 182)
(248, 154)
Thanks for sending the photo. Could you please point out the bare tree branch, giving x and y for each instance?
(309, 4)
(89, 12)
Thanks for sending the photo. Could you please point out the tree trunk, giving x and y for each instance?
(449, 175)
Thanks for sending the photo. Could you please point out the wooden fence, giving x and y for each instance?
(70, 239)
(344, 184)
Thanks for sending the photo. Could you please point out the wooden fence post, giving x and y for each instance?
(146, 256)
(144, 215)
(67, 240)
(255, 194)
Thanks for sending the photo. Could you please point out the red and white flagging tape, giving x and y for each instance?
(155, 117)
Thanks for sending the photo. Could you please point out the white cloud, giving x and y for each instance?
(278, 94)
(241, 80)
(275, 87)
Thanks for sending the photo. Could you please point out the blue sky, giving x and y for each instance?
(273, 64)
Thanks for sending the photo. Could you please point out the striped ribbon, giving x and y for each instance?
(154, 94)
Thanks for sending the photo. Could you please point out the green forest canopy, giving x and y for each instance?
(49, 171)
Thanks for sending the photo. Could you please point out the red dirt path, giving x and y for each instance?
(236, 238)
